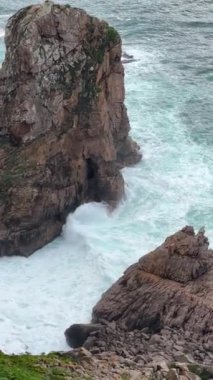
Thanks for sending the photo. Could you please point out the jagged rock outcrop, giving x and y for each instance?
(171, 286)
(63, 123)
(162, 307)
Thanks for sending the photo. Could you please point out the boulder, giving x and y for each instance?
(77, 334)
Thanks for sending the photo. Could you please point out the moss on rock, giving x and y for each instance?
(13, 172)
(112, 35)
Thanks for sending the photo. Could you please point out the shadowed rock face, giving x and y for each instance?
(63, 123)
(170, 287)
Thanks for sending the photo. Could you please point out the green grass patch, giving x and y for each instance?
(43, 367)
(112, 35)
(125, 376)
(202, 372)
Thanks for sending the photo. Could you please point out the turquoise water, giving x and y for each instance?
(169, 95)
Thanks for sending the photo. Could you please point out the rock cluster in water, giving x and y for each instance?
(160, 309)
(63, 123)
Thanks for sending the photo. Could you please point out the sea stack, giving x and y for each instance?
(63, 123)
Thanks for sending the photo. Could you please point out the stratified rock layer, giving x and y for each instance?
(169, 293)
(63, 123)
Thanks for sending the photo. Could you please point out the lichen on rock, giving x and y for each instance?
(63, 122)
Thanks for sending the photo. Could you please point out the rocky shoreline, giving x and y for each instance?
(139, 329)
(154, 323)
(160, 312)
(82, 365)
(64, 136)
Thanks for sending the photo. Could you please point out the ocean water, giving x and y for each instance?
(169, 95)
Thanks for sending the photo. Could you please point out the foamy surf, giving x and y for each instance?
(60, 283)
(2, 33)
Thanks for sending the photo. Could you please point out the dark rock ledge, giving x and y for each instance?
(63, 123)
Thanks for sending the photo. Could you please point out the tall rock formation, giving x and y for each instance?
(63, 123)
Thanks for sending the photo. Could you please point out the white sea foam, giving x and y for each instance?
(1, 33)
(58, 285)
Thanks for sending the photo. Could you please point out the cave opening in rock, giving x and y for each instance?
(91, 169)
(92, 179)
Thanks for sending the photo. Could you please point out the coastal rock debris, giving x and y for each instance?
(162, 307)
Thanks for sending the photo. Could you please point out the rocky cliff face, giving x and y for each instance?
(63, 123)
(161, 308)
(170, 287)
(181, 272)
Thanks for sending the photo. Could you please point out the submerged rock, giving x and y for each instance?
(63, 123)
(127, 58)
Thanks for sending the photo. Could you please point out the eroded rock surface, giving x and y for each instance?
(63, 123)
(171, 286)
(162, 307)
